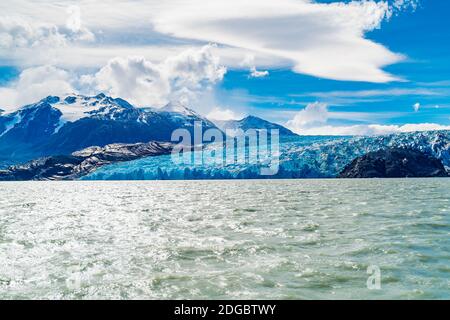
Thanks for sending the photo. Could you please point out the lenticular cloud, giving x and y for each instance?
(323, 40)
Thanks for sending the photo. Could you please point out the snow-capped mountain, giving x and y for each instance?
(62, 125)
(178, 108)
(233, 127)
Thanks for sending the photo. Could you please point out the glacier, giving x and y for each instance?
(302, 157)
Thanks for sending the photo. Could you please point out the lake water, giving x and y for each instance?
(296, 239)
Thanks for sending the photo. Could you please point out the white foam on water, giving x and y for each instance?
(224, 239)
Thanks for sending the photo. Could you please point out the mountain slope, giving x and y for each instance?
(252, 122)
(62, 125)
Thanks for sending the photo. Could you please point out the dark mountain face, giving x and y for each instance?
(30, 124)
(78, 164)
(62, 125)
(394, 163)
(97, 132)
(252, 122)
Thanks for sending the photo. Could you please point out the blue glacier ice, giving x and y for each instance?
(301, 157)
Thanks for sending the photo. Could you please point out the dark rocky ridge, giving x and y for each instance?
(78, 164)
(394, 163)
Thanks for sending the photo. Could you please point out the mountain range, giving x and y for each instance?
(99, 137)
(66, 124)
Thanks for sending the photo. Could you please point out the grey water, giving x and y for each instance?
(283, 239)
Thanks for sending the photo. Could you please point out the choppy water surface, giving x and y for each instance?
(301, 239)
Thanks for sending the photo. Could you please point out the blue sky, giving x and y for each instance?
(422, 35)
(316, 66)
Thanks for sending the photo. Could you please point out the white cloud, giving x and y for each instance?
(179, 78)
(74, 22)
(378, 93)
(403, 4)
(249, 62)
(416, 107)
(35, 84)
(182, 78)
(321, 39)
(19, 33)
(368, 130)
(130, 77)
(324, 40)
(314, 114)
(223, 115)
(258, 74)
(314, 118)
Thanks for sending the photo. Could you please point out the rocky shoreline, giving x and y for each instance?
(81, 163)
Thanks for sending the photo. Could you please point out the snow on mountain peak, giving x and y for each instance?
(75, 107)
(177, 107)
